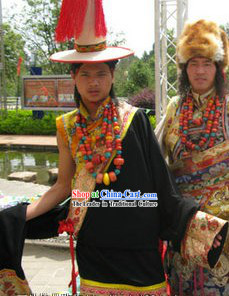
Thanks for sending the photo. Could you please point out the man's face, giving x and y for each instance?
(201, 74)
(93, 82)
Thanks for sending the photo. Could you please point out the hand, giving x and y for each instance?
(217, 241)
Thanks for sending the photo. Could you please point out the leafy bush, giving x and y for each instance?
(144, 99)
(21, 122)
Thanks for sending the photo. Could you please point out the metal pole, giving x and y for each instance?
(168, 14)
(164, 76)
(182, 15)
(157, 9)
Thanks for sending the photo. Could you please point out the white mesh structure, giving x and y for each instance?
(170, 16)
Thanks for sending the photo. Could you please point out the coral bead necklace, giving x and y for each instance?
(210, 120)
(109, 136)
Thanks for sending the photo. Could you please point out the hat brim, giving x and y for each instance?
(109, 54)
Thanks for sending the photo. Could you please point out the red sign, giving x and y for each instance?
(43, 92)
(66, 93)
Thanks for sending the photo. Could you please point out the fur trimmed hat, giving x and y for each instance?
(204, 39)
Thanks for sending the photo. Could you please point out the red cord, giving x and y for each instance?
(73, 265)
(67, 225)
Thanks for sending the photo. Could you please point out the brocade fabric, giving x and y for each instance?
(202, 177)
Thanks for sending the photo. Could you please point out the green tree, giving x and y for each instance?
(13, 48)
(38, 24)
(134, 74)
(121, 75)
(139, 77)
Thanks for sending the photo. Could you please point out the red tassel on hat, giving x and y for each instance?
(100, 25)
(71, 20)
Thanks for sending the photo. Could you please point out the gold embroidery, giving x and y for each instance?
(218, 204)
(200, 236)
(11, 284)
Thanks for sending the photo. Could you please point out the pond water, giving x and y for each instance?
(33, 161)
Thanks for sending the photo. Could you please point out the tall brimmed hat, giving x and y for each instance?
(203, 39)
(84, 21)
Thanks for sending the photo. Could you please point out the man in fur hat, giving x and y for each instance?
(194, 135)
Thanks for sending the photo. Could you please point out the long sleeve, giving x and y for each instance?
(13, 231)
(199, 237)
(175, 212)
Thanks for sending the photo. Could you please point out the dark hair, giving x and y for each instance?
(77, 96)
(220, 82)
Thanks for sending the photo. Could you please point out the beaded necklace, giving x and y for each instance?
(210, 121)
(109, 136)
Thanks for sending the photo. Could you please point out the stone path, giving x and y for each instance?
(21, 188)
(47, 269)
(28, 140)
(46, 263)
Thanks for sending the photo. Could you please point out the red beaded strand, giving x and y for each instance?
(210, 119)
(110, 137)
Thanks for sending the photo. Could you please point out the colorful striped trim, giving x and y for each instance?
(85, 282)
(65, 126)
(91, 48)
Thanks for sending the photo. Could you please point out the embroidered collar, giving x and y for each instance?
(200, 100)
(99, 111)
